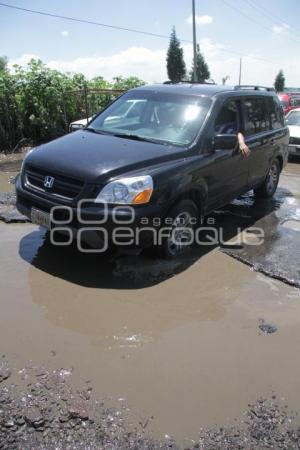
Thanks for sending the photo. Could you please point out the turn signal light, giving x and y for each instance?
(142, 197)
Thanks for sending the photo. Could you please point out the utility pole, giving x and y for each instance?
(240, 73)
(194, 41)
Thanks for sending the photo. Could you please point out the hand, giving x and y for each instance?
(244, 149)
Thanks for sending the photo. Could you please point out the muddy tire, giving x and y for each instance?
(185, 215)
(269, 186)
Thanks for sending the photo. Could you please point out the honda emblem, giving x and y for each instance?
(48, 182)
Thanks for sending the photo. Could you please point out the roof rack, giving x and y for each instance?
(255, 88)
(189, 82)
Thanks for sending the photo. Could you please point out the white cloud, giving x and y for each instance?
(139, 61)
(22, 60)
(150, 65)
(65, 33)
(147, 64)
(200, 20)
(279, 29)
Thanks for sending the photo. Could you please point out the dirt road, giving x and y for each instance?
(186, 348)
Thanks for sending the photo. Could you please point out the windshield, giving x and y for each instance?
(293, 118)
(154, 116)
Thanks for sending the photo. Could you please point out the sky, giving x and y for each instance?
(264, 33)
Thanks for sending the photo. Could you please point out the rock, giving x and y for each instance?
(9, 424)
(9, 214)
(8, 210)
(78, 410)
(7, 198)
(34, 417)
(266, 327)
(20, 421)
(63, 419)
(5, 371)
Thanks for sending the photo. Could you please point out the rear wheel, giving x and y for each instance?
(179, 237)
(269, 186)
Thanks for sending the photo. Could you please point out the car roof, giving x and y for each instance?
(209, 90)
(293, 110)
(289, 94)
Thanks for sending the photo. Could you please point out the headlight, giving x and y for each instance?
(127, 191)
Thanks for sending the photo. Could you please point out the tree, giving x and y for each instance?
(203, 72)
(3, 63)
(279, 81)
(175, 63)
(126, 83)
(37, 103)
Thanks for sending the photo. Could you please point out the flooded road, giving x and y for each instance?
(185, 349)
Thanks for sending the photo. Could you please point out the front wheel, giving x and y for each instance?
(269, 186)
(179, 237)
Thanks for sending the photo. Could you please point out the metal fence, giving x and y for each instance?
(87, 102)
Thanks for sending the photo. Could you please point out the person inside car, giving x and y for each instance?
(227, 123)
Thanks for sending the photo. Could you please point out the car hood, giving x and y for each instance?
(93, 157)
(294, 131)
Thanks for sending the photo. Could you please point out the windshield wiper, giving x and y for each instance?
(135, 137)
(93, 130)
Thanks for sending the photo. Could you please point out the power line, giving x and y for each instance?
(89, 22)
(270, 16)
(245, 15)
(132, 30)
(242, 13)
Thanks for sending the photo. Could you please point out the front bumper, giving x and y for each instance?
(118, 225)
(294, 149)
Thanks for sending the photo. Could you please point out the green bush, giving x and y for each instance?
(36, 103)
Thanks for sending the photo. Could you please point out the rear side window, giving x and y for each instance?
(256, 117)
(275, 112)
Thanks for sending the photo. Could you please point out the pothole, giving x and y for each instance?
(292, 224)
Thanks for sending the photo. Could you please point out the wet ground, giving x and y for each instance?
(182, 342)
(279, 219)
(44, 412)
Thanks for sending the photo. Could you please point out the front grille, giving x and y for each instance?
(294, 140)
(64, 187)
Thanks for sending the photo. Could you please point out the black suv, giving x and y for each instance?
(158, 158)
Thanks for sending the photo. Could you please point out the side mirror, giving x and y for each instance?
(224, 141)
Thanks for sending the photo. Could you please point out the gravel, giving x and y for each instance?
(5, 371)
(42, 412)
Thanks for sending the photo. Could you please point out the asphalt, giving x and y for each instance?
(279, 219)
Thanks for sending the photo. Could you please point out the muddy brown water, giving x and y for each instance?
(185, 349)
(9, 168)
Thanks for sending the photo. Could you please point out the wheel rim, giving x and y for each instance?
(272, 178)
(180, 236)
